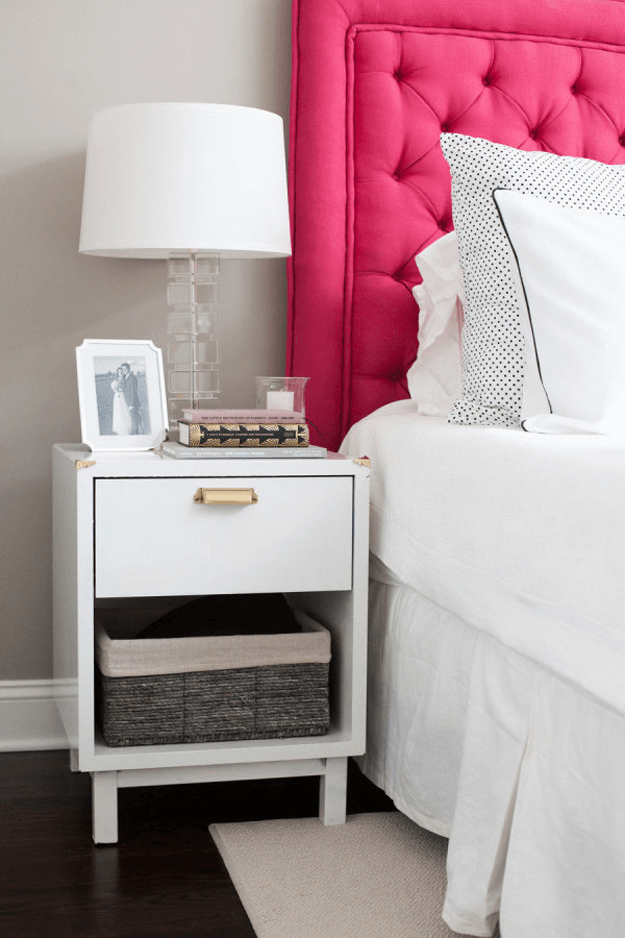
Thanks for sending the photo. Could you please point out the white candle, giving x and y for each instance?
(280, 400)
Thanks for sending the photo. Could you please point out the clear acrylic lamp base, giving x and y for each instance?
(192, 357)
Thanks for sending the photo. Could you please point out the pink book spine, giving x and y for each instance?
(242, 416)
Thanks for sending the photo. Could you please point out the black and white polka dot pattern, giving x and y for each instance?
(492, 342)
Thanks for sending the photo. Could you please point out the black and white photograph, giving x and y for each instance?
(121, 392)
(121, 395)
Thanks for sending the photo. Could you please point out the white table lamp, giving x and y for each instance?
(191, 183)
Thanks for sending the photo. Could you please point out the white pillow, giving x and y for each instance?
(434, 380)
(492, 337)
(571, 290)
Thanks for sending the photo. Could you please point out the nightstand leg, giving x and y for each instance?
(104, 807)
(333, 791)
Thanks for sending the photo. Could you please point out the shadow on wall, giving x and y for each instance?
(48, 288)
(51, 298)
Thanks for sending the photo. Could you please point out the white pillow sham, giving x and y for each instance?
(434, 380)
(571, 291)
(492, 338)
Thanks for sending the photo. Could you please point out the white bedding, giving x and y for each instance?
(496, 701)
(521, 536)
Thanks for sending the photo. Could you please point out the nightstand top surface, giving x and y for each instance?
(153, 463)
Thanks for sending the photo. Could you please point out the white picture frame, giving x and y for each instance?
(121, 394)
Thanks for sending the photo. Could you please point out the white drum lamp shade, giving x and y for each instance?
(175, 177)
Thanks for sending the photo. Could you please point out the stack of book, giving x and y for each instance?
(239, 432)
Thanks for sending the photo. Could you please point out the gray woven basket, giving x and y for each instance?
(266, 701)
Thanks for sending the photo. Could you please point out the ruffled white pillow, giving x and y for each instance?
(434, 380)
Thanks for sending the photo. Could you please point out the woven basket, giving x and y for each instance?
(213, 689)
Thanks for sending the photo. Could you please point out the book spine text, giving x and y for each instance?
(247, 435)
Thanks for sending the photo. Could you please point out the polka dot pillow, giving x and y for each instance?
(493, 348)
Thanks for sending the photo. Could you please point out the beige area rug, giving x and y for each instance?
(377, 876)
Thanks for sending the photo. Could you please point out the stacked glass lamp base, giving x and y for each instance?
(192, 327)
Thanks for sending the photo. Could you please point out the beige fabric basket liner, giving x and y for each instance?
(135, 657)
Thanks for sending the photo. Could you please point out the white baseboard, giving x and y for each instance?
(28, 716)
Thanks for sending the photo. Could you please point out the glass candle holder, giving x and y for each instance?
(281, 394)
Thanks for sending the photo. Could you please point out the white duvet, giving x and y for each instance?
(520, 535)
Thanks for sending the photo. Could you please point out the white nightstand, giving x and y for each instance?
(126, 525)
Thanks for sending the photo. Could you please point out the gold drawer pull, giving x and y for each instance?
(225, 496)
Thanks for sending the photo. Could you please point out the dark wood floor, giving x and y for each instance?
(164, 877)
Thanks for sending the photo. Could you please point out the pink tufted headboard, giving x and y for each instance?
(374, 83)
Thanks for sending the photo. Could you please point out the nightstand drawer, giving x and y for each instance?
(153, 539)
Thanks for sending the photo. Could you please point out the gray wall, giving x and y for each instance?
(60, 61)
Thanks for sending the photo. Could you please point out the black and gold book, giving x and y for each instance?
(243, 434)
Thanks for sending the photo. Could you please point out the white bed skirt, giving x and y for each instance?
(521, 771)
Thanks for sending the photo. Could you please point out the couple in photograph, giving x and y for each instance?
(126, 407)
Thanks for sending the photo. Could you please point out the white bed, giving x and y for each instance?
(497, 653)
(497, 614)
